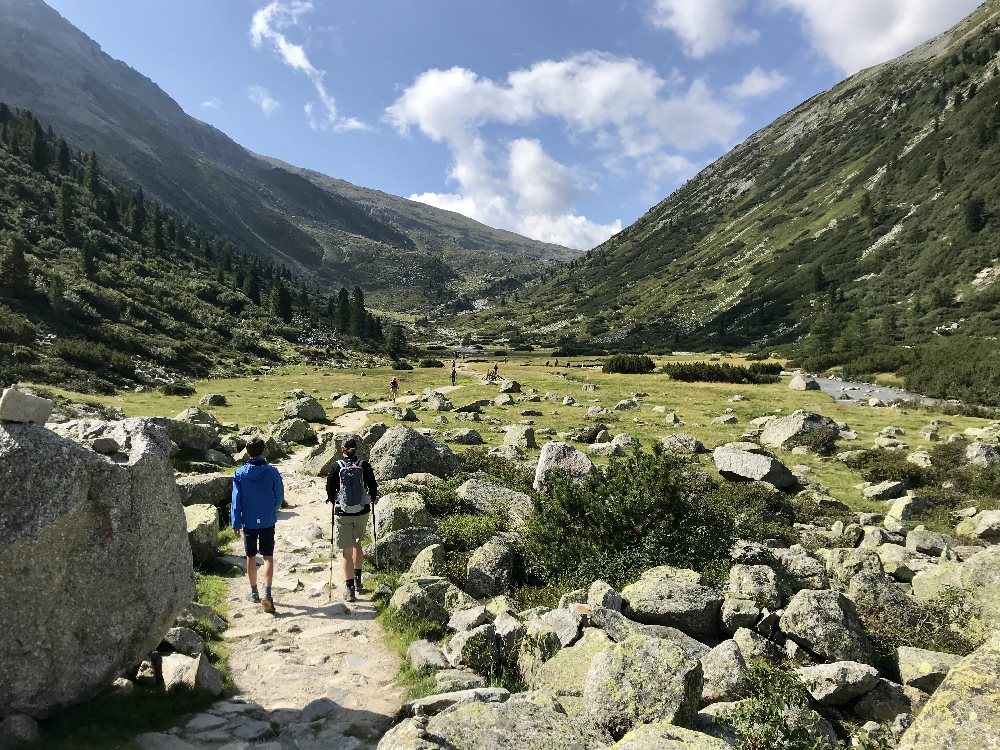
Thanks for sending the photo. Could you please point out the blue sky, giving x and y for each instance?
(563, 120)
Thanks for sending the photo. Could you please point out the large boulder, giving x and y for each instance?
(520, 435)
(401, 510)
(782, 433)
(736, 463)
(85, 538)
(726, 675)
(488, 497)
(979, 577)
(964, 712)
(403, 450)
(188, 436)
(526, 722)
(398, 549)
(676, 598)
(565, 674)
(667, 736)
(923, 669)
(826, 623)
(18, 406)
(800, 382)
(490, 570)
(347, 401)
(435, 401)
(984, 526)
(293, 431)
(681, 442)
(642, 680)
(206, 489)
(194, 415)
(562, 458)
(203, 531)
(838, 683)
(306, 408)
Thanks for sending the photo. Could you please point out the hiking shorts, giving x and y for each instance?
(349, 530)
(263, 537)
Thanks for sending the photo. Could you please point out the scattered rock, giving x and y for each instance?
(213, 399)
(736, 464)
(206, 489)
(838, 683)
(402, 450)
(425, 655)
(490, 570)
(922, 669)
(521, 436)
(306, 408)
(826, 623)
(202, 531)
(802, 382)
(563, 458)
(783, 432)
(676, 598)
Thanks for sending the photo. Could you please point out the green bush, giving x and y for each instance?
(652, 509)
(178, 388)
(705, 372)
(16, 329)
(822, 442)
(507, 473)
(93, 355)
(882, 466)
(427, 362)
(399, 364)
(629, 364)
(465, 532)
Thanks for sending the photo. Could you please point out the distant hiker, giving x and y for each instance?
(352, 489)
(547, 363)
(257, 495)
(496, 371)
(454, 374)
(557, 363)
(393, 388)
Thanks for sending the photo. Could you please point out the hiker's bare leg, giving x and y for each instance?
(359, 557)
(268, 571)
(348, 563)
(252, 570)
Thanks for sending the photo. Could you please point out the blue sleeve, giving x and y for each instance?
(279, 490)
(236, 513)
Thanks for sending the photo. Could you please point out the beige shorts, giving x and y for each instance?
(349, 530)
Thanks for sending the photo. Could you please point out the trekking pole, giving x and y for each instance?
(374, 538)
(329, 589)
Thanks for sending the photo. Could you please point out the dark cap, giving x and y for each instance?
(351, 444)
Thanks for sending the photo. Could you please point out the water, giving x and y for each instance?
(847, 392)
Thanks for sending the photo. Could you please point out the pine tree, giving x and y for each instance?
(940, 169)
(251, 287)
(975, 215)
(395, 343)
(92, 175)
(64, 210)
(56, 293)
(38, 148)
(137, 214)
(344, 311)
(357, 312)
(157, 228)
(280, 302)
(63, 162)
(88, 256)
(14, 268)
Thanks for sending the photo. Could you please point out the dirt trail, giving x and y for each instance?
(317, 673)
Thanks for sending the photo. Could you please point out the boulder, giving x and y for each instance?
(85, 536)
(18, 732)
(565, 674)
(964, 712)
(907, 508)
(194, 415)
(293, 431)
(736, 464)
(923, 669)
(521, 436)
(503, 400)
(402, 450)
(725, 674)
(452, 680)
(422, 598)
(437, 402)
(463, 436)
(188, 436)
(467, 619)
(982, 454)
(206, 489)
(20, 407)
(886, 490)
(184, 641)
(844, 563)
(627, 405)
(202, 531)
(666, 736)
(437, 703)
(826, 623)
(676, 598)
(606, 450)
(751, 589)
(600, 594)
(401, 510)
(490, 570)
(800, 382)
(929, 542)
(984, 526)
(213, 399)
(681, 442)
(429, 562)
(523, 722)
(306, 408)
(347, 401)
(887, 701)
(475, 649)
(562, 458)
(197, 673)
(799, 570)
(510, 386)
(539, 643)
(489, 497)
(642, 680)
(979, 576)
(838, 683)
(398, 549)
(783, 432)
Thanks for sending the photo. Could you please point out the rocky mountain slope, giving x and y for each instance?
(868, 209)
(342, 234)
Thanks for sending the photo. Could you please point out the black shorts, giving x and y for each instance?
(265, 537)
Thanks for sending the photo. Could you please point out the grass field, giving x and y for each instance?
(255, 402)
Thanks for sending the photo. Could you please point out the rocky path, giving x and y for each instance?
(317, 673)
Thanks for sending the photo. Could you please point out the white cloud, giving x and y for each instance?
(267, 27)
(263, 99)
(213, 103)
(625, 107)
(758, 83)
(855, 34)
(704, 26)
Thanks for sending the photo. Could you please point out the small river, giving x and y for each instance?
(846, 392)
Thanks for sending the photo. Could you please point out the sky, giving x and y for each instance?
(562, 120)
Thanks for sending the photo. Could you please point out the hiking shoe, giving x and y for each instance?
(254, 597)
(358, 586)
(268, 605)
(349, 595)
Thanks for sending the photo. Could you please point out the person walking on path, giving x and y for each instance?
(258, 493)
(454, 374)
(352, 489)
(393, 388)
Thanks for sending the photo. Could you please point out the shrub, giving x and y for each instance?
(465, 532)
(427, 362)
(522, 348)
(178, 388)
(704, 372)
(510, 474)
(652, 509)
(93, 355)
(881, 466)
(629, 364)
(822, 442)
(15, 328)
(398, 364)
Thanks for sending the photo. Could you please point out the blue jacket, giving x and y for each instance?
(257, 495)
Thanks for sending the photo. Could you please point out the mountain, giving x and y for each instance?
(866, 217)
(334, 232)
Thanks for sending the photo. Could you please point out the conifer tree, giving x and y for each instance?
(39, 149)
(251, 287)
(63, 162)
(14, 267)
(395, 343)
(344, 311)
(64, 209)
(137, 214)
(357, 312)
(92, 175)
(280, 302)
(56, 292)
(88, 256)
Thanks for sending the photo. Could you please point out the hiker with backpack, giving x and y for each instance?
(352, 489)
(393, 388)
(258, 493)
(454, 374)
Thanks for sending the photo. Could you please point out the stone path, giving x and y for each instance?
(316, 674)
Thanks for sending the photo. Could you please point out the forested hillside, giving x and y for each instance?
(101, 286)
(859, 224)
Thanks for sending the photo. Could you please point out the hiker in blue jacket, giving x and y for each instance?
(257, 495)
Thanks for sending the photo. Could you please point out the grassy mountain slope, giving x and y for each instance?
(867, 211)
(53, 69)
